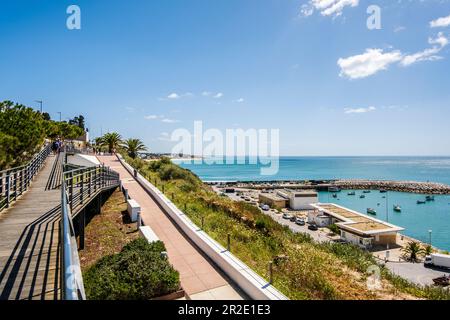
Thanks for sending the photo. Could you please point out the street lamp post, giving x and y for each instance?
(429, 234)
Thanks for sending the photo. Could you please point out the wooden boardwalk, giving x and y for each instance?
(29, 240)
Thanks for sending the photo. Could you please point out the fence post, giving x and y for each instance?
(15, 186)
(228, 242)
(271, 272)
(89, 183)
(203, 222)
(1, 184)
(7, 187)
(82, 186)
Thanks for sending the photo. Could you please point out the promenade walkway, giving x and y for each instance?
(200, 277)
(29, 229)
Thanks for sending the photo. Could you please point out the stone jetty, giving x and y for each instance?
(402, 186)
(323, 185)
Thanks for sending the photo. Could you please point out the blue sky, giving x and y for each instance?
(310, 68)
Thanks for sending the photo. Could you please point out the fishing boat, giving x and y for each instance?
(421, 201)
(362, 196)
(351, 193)
(334, 195)
(366, 191)
(383, 191)
(371, 211)
(397, 208)
(429, 198)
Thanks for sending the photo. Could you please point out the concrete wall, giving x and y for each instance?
(386, 239)
(250, 282)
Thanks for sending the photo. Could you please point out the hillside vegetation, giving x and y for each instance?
(303, 268)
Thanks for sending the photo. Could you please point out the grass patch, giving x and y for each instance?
(107, 233)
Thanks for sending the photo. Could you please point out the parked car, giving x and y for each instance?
(300, 221)
(265, 207)
(313, 227)
(287, 216)
(293, 218)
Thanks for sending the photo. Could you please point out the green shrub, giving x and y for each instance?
(138, 272)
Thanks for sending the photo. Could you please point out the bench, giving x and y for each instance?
(134, 209)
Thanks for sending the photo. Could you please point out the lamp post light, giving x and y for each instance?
(429, 234)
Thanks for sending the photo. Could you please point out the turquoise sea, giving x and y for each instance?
(416, 219)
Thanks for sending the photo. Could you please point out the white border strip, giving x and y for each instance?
(249, 281)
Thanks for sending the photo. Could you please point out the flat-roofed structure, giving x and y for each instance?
(273, 200)
(358, 228)
(299, 199)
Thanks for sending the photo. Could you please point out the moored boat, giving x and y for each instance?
(383, 191)
(362, 196)
(397, 208)
(366, 191)
(371, 211)
(429, 198)
(421, 201)
(352, 193)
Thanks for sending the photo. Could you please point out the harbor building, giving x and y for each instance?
(299, 199)
(287, 198)
(355, 227)
(273, 200)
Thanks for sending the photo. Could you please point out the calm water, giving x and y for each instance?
(416, 219)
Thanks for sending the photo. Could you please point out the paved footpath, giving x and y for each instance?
(200, 277)
(29, 240)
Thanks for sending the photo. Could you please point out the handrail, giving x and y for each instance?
(15, 181)
(79, 186)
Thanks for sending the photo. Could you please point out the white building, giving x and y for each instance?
(299, 199)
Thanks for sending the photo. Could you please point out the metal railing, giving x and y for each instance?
(15, 181)
(78, 188)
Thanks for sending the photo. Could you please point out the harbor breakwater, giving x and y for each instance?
(324, 185)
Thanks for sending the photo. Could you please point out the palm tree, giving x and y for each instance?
(111, 140)
(412, 251)
(133, 146)
(428, 250)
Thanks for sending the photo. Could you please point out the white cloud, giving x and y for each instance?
(429, 54)
(167, 120)
(441, 22)
(327, 7)
(375, 60)
(306, 10)
(399, 29)
(359, 110)
(218, 95)
(161, 118)
(240, 100)
(173, 96)
(206, 93)
(368, 63)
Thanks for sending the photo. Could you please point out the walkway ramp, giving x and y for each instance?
(29, 240)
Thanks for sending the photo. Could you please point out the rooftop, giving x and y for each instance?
(356, 221)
